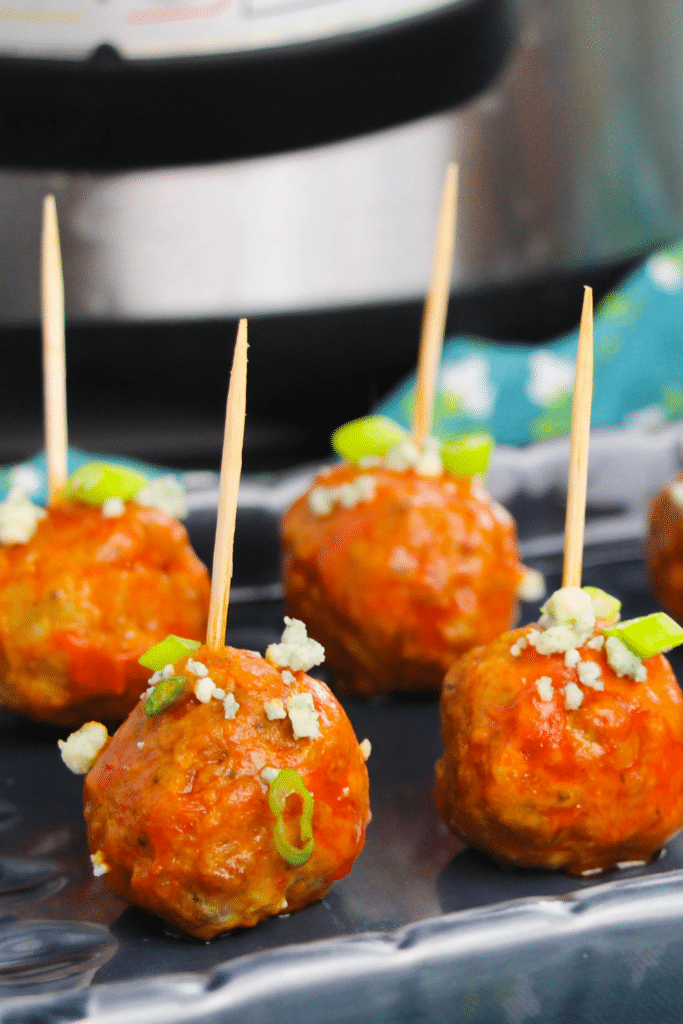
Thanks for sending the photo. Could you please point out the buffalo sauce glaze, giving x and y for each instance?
(536, 784)
(178, 811)
(83, 599)
(398, 586)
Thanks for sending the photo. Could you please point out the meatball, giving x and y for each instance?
(400, 574)
(569, 759)
(177, 802)
(83, 599)
(664, 547)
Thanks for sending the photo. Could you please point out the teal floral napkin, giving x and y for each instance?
(523, 393)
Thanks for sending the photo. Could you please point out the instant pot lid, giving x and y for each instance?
(131, 83)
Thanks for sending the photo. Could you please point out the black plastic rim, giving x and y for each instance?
(107, 113)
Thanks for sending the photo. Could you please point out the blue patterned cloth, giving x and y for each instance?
(523, 393)
(31, 474)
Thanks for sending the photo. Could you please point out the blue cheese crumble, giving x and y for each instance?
(573, 697)
(620, 659)
(544, 688)
(165, 493)
(79, 751)
(296, 650)
(590, 673)
(532, 586)
(230, 706)
(205, 690)
(303, 716)
(321, 499)
(99, 865)
(197, 668)
(19, 517)
(113, 508)
(274, 709)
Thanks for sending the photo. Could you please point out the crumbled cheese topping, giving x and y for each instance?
(572, 657)
(554, 640)
(571, 606)
(590, 673)
(113, 508)
(406, 455)
(197, 668)
(321, 500)
(163, 673)
(303, 716)
(365, 747)
(622, 661)
(676, 491)
(206, 690)
(274, 709)
(402, 457)
(230, 706)
(544, 686)
(166, 493)
(99, 865)
(518, 646)
(532, 586)
(288, 677)
(269, 774)
(19, 517)
(79, 751)
(597, 642)
(296, 650)
(573, 697)
(141, 744)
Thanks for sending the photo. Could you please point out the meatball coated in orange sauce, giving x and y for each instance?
(177, 808)
(536, 781)
(664, 547)
(399, 585)
(83, 599)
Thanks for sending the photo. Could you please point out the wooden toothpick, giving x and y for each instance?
(436, 307)
(54, 364)
(578, 451)
(231, 468)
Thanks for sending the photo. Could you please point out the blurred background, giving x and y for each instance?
(284, 161)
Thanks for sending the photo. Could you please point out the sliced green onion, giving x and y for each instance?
(96, 481)
(370, 435)
(605, 606)
(467, 455)
(167, 652)
(164, 694)
(648, 634)
(286, 783)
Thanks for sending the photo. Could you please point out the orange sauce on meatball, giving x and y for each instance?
(83, 599)
(535, 784)
(397, 587)
(178, 811)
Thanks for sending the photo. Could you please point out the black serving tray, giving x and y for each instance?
(422, 930)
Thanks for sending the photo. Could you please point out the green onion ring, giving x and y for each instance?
(285, 784)
(164, 694)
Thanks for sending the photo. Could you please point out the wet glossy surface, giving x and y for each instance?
(412, 874)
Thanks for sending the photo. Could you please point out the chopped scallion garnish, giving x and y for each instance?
(164, 694)
(467, 455)
(605, 606)
(96, 481)
(369, 435)
(648, 634)
(167, 652)
(285, 784)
